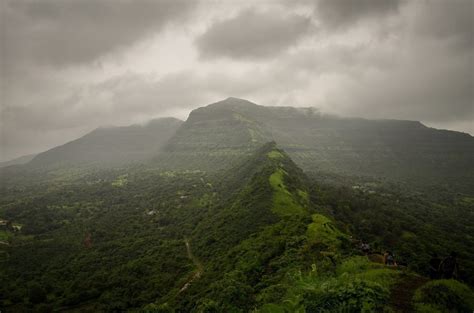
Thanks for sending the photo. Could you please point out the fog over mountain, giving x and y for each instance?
(68, 67)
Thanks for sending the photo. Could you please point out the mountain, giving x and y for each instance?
(18, 161)
(112, 146)
(216, 135)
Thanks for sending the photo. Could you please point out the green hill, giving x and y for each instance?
(111, 146)
(18, 161)
(220, 133)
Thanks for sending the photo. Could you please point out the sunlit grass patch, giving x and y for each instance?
(284, 201)
(322, 230)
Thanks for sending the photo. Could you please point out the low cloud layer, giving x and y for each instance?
(71, 66)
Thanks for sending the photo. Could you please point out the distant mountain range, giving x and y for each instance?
(112, 146)
(215, 136)
(18, 161)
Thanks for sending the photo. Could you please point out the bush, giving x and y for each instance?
(354, 296)
(444, 296)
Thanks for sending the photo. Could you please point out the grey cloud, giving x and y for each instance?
(116, 101)
(428, 87)
(252, 34)
(57, 32)
(446, 20)
(339, 14)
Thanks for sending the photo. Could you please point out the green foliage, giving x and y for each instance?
(284, 202)
(323, 232)
(275, 154)
(444, 296)
(357, 286)
(413, 225)
(260, 236)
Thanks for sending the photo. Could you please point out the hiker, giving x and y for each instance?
(389, 259)
(434, 266)
(449, 267)
(365, 248)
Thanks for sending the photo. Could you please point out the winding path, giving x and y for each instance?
(402, 293)
(199, 268)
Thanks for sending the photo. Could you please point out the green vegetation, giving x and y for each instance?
(356, 286)
(120, 181)
(444, 296)
(412, 224)
(322, 231)
(275, 154)
(284, 202)
(395, 150)
(258, 236)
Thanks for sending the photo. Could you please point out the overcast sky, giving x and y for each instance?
(68, 66)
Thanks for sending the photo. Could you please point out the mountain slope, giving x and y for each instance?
(216, 135)
(18, 161)
(112, 146)
(214, 138)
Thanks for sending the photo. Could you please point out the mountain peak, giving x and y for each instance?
(233, 102)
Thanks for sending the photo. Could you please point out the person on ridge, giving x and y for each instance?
(449, 267)
(366, 248)
(389, 259)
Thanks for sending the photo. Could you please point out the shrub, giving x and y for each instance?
(444, 296)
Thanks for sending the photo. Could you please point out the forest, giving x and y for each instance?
(260, 236)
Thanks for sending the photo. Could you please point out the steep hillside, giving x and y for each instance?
(18, 161)
(214, 138)
(216, 135)
(112, 146)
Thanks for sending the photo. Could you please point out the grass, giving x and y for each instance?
(284, 202)
(322, 230)
(275, 154)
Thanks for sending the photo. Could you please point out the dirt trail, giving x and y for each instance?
(196, 262)
(403, 291)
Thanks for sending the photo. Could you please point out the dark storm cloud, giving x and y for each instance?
(58, 33)
(252, 34)
(337, 14)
